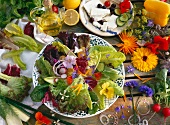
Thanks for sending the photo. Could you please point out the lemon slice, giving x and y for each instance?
(71, 17)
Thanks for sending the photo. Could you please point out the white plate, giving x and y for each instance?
(94, 40)
(85, 21)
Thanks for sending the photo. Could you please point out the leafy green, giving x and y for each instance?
(111, 73)
(39, 91)
(63, 48)
(16, 88)
(44, 68)
(99, 48)
(160, 85)
(58, 87)
(94, 109)
(15, 9)
(78, 102)
(109, 55)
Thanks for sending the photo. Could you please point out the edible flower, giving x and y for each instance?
(132, 84)
(129, 44)
(69, 61)
(124, 6)
(159, 43)
(107, 91)
(144, 59)
(77, 87)
(148, 91)
(41, 119)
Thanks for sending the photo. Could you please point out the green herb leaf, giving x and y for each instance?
(39, 91)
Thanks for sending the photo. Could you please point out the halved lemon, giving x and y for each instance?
(71, 17)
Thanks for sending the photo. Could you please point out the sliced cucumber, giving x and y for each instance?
(129, 15)
(124, 17)
(100, 67)
(117, 11)
(119, 22)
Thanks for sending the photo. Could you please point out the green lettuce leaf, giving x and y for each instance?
(58, 87)
(38, 92)
(111, 73)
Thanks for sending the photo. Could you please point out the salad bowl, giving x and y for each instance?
(119, 82)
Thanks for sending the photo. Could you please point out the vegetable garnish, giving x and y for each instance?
(144, 60)
(129, 44)
(41, 119)
(80, 75)
(124, 6)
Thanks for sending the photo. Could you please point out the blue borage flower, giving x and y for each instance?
(130, 69)
(145, 89)
(132, 84)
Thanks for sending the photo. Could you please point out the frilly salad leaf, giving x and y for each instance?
(111, 73)
(78, 102)
(109, 55)
(58, 87)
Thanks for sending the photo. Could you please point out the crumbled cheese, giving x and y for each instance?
(99, 12)
(95, 23)
(91, 4)
(112, 22)
(104, 26)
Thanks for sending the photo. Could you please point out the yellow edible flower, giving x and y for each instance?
(107, 91)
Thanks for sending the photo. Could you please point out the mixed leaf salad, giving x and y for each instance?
(76, 76)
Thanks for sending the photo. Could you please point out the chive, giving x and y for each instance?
(21, 105)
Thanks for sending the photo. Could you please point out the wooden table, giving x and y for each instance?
(156, 120)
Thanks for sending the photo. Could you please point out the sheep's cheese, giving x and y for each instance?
(91, 4)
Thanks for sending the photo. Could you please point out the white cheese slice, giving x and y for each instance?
(99, 12)
(96, 24)
(112, 22)
(104, 26)
(91, 4)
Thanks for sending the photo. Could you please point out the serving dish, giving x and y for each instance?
(94, 40)
(84, 17)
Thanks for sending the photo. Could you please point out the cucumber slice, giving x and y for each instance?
(100, 67)
(117, 11)
(119, 22)
(124, 17)
(129, 15)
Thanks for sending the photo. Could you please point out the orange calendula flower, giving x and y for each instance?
(144, 59)
(107, 91)
(41, 119)
(129, 44)
(78, 88)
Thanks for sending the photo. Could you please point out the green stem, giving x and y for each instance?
(134, 112)
(10, 101)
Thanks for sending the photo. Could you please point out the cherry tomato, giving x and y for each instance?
(107, 3)
(55, 8)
